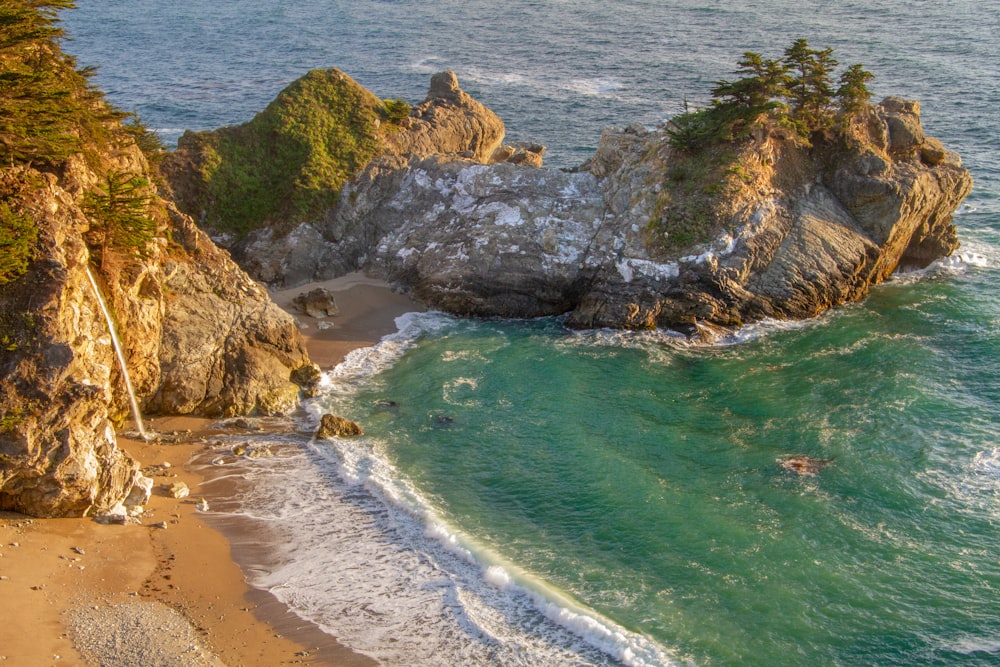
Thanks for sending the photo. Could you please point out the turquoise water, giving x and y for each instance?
(528, 495)
(644, 478)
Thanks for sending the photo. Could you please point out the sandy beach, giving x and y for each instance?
(169, 591)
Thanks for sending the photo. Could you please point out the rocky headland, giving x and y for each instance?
(642, 235)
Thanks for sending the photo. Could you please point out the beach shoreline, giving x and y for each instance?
(63, 579)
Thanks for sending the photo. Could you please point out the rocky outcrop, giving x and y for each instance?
(796, 231)
(318, 303)
(332, 426)
(199, 337)
(58, 377)
(639, 236)
(448, 123)
(226, 348)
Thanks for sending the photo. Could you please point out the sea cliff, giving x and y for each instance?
(82, 218)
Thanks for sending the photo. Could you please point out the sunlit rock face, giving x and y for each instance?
(198, 337)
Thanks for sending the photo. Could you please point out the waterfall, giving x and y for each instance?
(116, 342)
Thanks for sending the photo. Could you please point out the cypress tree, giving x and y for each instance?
(810, 88)
(853, 91)
(37, 104)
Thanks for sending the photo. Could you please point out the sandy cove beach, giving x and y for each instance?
(169, 591)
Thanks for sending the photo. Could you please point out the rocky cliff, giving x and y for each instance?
(199, 337)
(288, 249)
(80, 220)
(643, 236)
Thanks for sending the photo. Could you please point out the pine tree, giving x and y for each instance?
(763, 81)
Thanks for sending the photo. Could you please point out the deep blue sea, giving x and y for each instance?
(527, 495)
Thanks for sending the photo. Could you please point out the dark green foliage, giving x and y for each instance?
(17, 238)
(763, 81)
(48, 108)
(853, 91)
(810, 88)
(120, 215)
(149, 142)
(38, 106)
(796, 92)
(291, 160)
(397, 110)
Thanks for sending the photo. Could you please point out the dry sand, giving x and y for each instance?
(76, 592)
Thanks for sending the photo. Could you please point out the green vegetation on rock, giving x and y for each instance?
(686, 211)
(17, 237)
(49, 112)
(715, 157)
(120, 213)
(796, 92)
(290, 162)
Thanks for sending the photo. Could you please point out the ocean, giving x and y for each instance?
(529, 495)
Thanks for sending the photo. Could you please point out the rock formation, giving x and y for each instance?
(447, 123)
(332, 426)
(795, 231)
(640, 236)
(200, 338)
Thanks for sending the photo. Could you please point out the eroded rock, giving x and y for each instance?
(332, 426)
(317, 303)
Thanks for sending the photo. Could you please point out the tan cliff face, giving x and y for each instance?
(199, 337)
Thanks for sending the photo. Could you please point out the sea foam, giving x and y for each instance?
(361, 552)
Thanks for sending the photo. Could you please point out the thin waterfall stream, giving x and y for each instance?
(119, 352)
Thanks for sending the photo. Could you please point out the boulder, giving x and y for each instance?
(449, 122)
(317, 303)
(177, 490)
(331, 426)
(141, 491)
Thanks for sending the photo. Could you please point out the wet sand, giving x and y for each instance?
(69, 583)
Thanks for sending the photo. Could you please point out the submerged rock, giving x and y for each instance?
(805, 466)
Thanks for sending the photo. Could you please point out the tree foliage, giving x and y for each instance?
(853, 91)
(37, 102)
(120, 214)
(796, 91)
(17, 238)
